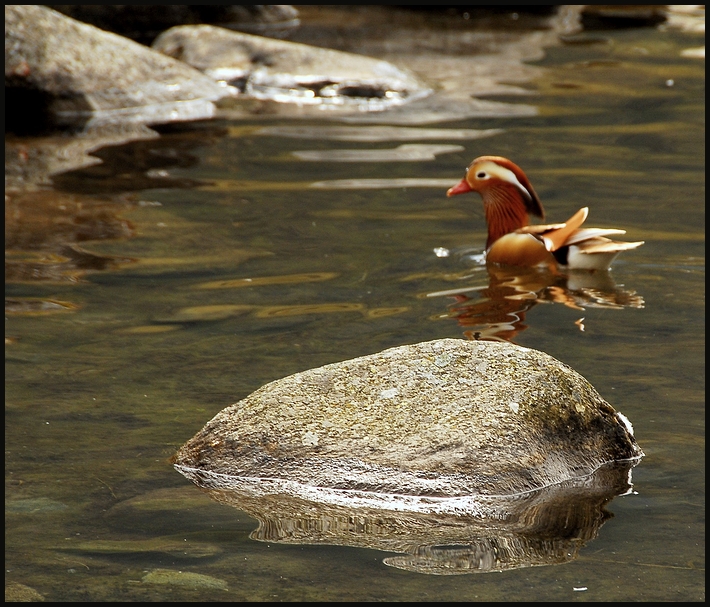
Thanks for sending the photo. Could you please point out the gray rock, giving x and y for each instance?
(264, 68)
(79, 72)
(409, 426)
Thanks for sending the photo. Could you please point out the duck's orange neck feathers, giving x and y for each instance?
(505, 211)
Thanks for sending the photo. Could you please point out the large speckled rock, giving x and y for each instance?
(411, 425)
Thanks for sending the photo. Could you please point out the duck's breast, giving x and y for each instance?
(518, 249)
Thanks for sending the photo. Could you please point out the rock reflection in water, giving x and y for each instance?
(63, 193)
(44, 229)
(497, 312)
(543, 527)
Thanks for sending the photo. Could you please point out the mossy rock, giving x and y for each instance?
(442, 419)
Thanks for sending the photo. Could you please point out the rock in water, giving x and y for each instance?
(411, 426)
(72, 74)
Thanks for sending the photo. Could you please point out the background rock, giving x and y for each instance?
(63, 72)
(264, 68)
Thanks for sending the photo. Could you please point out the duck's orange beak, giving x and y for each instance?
(460, 188)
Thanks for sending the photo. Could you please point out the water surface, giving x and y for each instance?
(220, 266)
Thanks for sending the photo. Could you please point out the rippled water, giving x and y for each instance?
(237, 252)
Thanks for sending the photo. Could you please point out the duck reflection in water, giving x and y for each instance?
(497, 311)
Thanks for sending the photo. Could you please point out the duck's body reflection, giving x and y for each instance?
(497, 312)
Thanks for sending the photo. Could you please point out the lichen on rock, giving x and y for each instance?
(442, 419)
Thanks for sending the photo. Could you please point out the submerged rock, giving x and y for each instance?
(197, 581)
(420, 427)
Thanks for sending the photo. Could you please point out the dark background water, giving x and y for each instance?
(112, 366)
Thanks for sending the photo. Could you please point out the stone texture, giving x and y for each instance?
(82, 72)
(440, 419)
(265, 68)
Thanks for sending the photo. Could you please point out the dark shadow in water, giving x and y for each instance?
(497, 312)
(476, 534)
(143, 164)
(65, 191)
(44, 231)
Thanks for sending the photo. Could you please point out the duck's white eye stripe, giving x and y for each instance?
(495, 170)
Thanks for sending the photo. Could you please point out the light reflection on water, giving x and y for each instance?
(100, 393)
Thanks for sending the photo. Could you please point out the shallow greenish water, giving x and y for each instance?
(100, 395)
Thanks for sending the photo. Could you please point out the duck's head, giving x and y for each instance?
(508, 196)
(495, 177)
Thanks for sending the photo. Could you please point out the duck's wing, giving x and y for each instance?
(580, 248)
(595, 253)
(554, 239)
(556, 235)
(605, 245)
(591, 233)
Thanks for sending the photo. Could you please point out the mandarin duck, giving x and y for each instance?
(509, 199)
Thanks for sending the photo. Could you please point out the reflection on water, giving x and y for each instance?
(374, 133)
(43, 230)
(543, 527)
(497, 311)
(407, 152)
